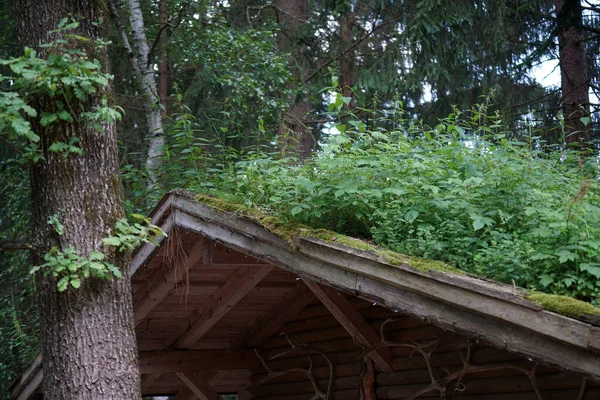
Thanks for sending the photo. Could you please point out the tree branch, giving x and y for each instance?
(352, 46)
(14, 246)
(162, 28)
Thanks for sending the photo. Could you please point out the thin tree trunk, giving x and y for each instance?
(574, 72)
(347, 60)
(163, 66)
(139, 54)
(87, 334)
(295, 137)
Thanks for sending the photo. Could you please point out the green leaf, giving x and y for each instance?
(63, 283)
(76, 283)
(546, 280)
(65, 116)
(96, 256)
(47, 119)
(478, 224)
(592, 268)
(296, 210)
(411, 215)
(23, 128)
(111, 241)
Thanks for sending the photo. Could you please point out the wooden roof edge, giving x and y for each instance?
(431, 269)
(478, 295)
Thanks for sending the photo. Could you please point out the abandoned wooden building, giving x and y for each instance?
(227, 305)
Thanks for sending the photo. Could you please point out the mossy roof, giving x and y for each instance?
(291, 232)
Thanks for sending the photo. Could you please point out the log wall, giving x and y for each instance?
(316, 327)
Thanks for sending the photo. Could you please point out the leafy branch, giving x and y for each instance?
(71, 268)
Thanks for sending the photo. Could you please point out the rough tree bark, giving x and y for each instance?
(139, 54)
(88, 339)
(295, 137)
(574, 72)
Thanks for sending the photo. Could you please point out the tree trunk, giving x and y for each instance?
(139, 54)
(295, 137)
(163, 65)
(151, 100)
(88, 339)
(347, 58)
(574, 72)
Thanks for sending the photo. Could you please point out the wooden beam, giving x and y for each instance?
(265, 327)
(198, 385)
(191, 361)
(148, 379)
(162, 281)
(185, 394)
(354, 324)
(221, 301)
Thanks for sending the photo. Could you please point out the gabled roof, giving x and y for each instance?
(482, 309)
(477, 308)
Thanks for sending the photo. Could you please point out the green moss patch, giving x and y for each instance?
(390, 256)
(288, 231)
(563, 305)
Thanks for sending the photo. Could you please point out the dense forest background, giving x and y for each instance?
(423, 121)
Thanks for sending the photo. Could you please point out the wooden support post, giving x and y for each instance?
(199, 386)
(158, 286)
(221, 301)
(291, 305)
(354, 324)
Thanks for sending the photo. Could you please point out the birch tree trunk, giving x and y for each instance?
(139, 53)
(574, 72)
(87, 334)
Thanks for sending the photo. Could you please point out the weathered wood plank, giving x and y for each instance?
(198, 385)
(562, 328)
(227, 296)
(594, 339)
(352, 322)
(293, 302)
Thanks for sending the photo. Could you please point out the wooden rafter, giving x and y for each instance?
(354, 324)
(221, 301)
(158, 286)
(292, 304)
(149, 379)
(198, 385)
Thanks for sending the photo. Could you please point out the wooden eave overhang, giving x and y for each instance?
(475, 307)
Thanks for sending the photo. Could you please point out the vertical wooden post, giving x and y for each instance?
(367, 380)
